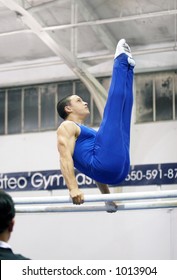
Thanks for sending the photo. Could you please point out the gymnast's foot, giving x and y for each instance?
(111, 207)
(123, 47)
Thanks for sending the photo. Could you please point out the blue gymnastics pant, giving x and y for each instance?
(111, 156)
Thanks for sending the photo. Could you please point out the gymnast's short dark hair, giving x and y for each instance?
(7, 210)
(61, 106)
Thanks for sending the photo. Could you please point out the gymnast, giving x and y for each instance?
(102, 155)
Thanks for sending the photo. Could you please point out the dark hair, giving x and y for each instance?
(7, 210)
(61, 106)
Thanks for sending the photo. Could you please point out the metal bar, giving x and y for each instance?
(95, 22)
(95, 208)
(113, 20)
(98, 198)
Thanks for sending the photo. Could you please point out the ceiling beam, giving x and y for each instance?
(96, 89)
(74, 31)
(42, 6)
(121, 19)
(95, 22)
(114, 20)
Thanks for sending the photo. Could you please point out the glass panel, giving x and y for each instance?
(96, 116)
(30, 109)
(175, 95)
(105, 82)
(164, 90)
(48, 106)
(144, 98)
(14, 111)
(2, 112)
(83, 92)
(64, 89)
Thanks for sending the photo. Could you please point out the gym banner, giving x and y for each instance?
(139, 175)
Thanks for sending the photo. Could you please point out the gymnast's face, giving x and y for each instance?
(78, 106)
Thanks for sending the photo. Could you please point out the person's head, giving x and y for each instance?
(7, 214)
(72, 105)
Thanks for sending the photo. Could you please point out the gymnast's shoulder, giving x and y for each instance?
(68, 127)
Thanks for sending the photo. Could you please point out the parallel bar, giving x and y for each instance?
(98, 198)
(95, 208)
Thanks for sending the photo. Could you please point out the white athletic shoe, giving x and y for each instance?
(123, 47)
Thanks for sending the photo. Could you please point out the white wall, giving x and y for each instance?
(146, 234)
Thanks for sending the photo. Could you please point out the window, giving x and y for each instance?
(94, 118)
(163, 95)
(2, 112)
(175, 88)
(96, 115)
(64, 89)
(33, 108)
(14, 111)
(156, 97)
(30, 109)
(47, 94)
(83, 92)
(144, 98)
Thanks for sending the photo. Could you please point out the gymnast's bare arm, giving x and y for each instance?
(67, 134)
